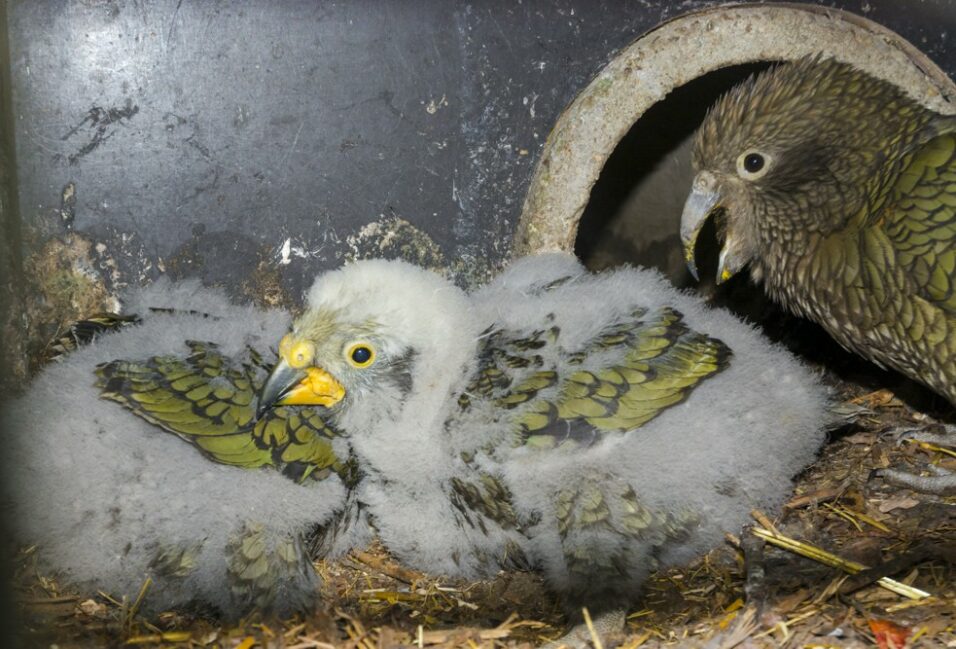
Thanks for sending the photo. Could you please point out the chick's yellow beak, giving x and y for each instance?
(295, 381)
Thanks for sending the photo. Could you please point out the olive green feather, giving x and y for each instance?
(208, 400)
(263, 569)
(657, 362)
(651, 361)
(85, 331)
(605, 505)
(921, 221)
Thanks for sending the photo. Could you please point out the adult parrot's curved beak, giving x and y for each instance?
(703, 201)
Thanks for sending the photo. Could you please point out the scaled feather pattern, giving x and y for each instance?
(113, 495)
(593, 427)
(839, 192)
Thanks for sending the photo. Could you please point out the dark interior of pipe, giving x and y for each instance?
(634, 209)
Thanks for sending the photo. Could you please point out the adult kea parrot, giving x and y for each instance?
(839, 192)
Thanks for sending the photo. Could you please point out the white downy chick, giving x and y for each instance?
(111, 498)
(595, 427)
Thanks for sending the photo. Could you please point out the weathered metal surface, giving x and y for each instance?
(255, 144)
(13, 330)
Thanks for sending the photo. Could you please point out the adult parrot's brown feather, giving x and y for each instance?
(921, 221)
(839, 191)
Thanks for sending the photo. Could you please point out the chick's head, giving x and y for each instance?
(373, 335)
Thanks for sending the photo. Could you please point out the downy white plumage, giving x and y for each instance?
(591, 426)
(111, 499)
(594, 427)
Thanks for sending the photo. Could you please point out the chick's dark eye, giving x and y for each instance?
(753, 162)
(361, 355)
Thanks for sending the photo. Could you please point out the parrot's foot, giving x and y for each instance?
(846, 414)
(941, 435)
(755, 584)
(582, 637)
(942, 482)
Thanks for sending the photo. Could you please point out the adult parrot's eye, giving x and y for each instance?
(752, 165)
(360, 355)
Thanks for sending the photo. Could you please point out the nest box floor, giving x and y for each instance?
(371, 602)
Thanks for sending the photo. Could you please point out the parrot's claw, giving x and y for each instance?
(581, 637)
(940, 435)
(945, 438)
(941, 484)
(943, 481)
(848, 413)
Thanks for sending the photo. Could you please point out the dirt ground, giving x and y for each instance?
(372, 602)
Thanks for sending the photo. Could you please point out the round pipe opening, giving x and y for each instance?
(632, 119)
(635, 204)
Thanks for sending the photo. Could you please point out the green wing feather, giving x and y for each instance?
(208, 400)
(660, 362)
(920, 220)
(657, 362)
(607, 505)
(85, 331)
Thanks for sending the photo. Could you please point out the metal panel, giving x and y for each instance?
(223, 138)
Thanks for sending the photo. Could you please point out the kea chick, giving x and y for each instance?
(839, 192)
(594, 427)
(219, 514)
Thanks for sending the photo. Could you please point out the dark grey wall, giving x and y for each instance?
(205, 137)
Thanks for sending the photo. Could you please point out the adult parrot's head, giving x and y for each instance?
(371, 334)
(789, 152)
